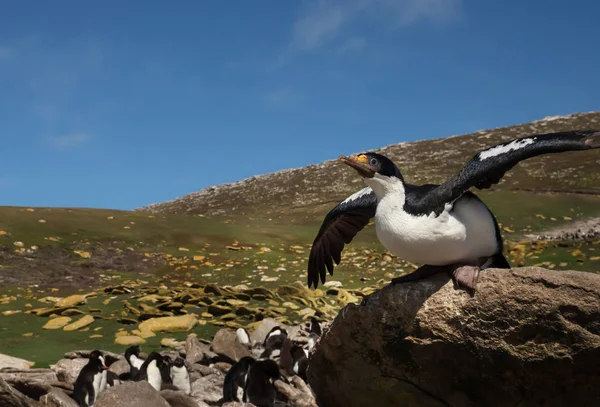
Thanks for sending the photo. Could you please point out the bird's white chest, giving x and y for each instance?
(181, 379)
(463, 232)
(154, 377)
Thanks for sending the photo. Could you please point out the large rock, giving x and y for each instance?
(193, 350)
(67, 370)
(529, 336)
(13, 362)
(42, 375)
(130, 394)
(225, 344)
(10, 397)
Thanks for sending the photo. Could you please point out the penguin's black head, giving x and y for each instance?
(369, 164)
(160, 360)
(97, 360)
(179, 362)
(133, 350)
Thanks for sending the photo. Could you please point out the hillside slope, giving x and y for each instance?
(314, 188)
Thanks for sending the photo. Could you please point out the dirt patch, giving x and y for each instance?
(59, 267)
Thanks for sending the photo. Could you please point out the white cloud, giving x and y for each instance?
(323, 21)
(70, 140)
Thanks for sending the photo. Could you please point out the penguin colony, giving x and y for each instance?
(251, 379)
(159, 370)
(444, 227)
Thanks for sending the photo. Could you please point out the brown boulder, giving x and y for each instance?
(130, 394)
(193, 350)
(529, 336)
(67, 370)
(225, 344)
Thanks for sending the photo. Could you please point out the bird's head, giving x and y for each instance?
(369, 164)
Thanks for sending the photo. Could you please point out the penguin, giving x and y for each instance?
(132, 355)
(165, 370)
(112, 379)
(180, 376)
(151, 370)
(259, 389)
(293, 359)
(236, 378)
(109, 379)
(273, 342)
(243, 337)
(286, 361)
(87, 386)
(300, 361)
(315, 327)
(445, 227)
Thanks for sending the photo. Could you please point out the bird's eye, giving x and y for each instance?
(373, 161)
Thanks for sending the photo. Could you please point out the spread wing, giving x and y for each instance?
(339, 227)
(488, 167)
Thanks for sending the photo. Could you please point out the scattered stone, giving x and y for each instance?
(171, 343)
(80, 323)
(218, 309)
(57, 323)
(169, 324)
(71, 301)
(128, 340)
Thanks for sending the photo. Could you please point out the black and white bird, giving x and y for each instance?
(444, 227)
(180, 376)
(151, 370)
(88, 384)
(236, 378)
(132, 355)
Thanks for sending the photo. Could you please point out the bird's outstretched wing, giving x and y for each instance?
(339, 227)
(488, 167)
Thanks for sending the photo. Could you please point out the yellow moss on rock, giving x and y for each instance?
(169, 324)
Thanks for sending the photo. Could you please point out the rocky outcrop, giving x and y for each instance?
(528, 336)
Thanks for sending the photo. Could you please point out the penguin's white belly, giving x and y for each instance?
(463, 233)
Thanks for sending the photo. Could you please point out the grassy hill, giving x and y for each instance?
(256, 234)
(315, 188)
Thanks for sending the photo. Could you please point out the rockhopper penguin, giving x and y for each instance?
(88, 384)
(445, 227)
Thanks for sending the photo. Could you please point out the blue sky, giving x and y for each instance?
(118, 104)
